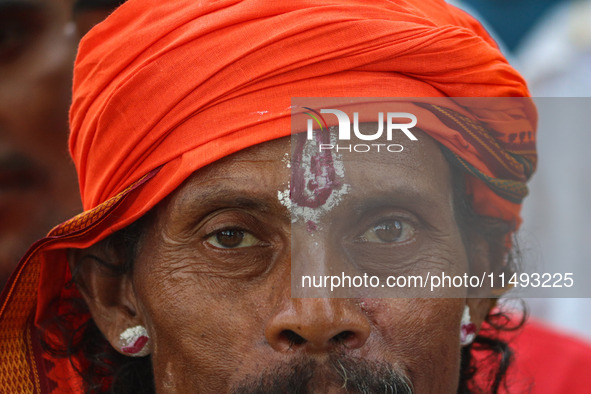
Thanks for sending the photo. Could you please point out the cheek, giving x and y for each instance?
(198, 322)
(422, 332)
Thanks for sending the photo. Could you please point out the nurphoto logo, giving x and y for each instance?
(395, 121)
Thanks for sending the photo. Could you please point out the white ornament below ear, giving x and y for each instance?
(135, 341)
(467, 328)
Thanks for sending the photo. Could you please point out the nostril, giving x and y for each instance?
(342, 337)
(315, 325)
(292, 338)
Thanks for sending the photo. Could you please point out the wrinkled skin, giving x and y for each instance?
(38, 187)
(217, 305)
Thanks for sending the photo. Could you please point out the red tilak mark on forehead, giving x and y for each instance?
(314, 191)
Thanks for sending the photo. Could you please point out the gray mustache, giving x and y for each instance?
(348, 374)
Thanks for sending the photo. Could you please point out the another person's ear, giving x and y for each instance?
(101, 277)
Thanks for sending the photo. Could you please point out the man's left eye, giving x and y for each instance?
(388, 231)
(232, 239)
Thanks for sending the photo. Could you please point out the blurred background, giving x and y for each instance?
(549, 42)
(38, 186)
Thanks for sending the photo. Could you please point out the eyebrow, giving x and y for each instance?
(213, 197)
(239, 202)
(420, 201)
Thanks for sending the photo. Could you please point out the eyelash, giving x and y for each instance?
(384, 223)
(254, 237)
(244, 234)
(235, 246)
(404, 228)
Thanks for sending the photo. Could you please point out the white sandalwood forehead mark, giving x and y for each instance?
(283, 195)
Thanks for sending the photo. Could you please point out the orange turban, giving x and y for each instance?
(163, 88)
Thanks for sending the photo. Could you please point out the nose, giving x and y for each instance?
(318, 325)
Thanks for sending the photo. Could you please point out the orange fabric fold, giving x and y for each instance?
(189, 77)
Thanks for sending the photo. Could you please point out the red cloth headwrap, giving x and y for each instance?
(163, 88)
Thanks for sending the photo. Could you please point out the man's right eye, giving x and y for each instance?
(232, 238)
(389, 231)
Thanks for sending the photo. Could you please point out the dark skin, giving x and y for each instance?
(211, 282)
(38, 187)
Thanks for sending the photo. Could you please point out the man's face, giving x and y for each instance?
(38, 187)
(211, 282)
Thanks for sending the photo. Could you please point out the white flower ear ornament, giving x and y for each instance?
(135, 341)
(467, 328)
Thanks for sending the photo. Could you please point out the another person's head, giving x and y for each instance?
(89, 13)
(199, 206)
(38, 187)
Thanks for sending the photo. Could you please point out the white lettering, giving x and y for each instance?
(369, 137)
(404, 127)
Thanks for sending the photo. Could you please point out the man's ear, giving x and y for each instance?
(485, 258)
(479, 309)
(106, 288)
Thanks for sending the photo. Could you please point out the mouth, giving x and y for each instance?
(339, 375)
(346, 378)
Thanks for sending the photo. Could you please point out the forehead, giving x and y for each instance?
(419, 175)
(419, 171)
